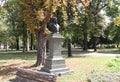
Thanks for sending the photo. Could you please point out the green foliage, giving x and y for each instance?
(113, 9)
(116, 38)
(12, 24)
(4, 36)
(114, 64)
(113, 12)
(14, 17)
(117, 21)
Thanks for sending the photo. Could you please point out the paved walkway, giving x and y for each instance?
(91, 53)
(99, 54)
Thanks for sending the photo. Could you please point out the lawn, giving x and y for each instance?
(80, 65)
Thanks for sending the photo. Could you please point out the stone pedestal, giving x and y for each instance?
(55, 63)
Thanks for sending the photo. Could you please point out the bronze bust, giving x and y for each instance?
(53, 26)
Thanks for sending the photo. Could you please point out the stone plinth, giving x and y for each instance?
(55, 63)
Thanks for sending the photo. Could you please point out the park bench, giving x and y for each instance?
(26, 75)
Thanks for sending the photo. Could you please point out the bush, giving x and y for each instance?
(114, 64)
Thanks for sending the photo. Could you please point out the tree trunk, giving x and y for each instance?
(85, 40)
(95, 43)
(85, 34)
(27, 47)
(47, 46)
(41, 48)
(24, 43)
(24, 38)
(31, 42)
(0, 46)
(17, 43)
(117, 45)
(95, 32)
(6, 46)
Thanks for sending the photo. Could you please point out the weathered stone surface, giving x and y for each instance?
(55, 63)
(25, 75)
(105, 77)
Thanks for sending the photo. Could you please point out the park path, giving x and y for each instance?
(99, 54)
(91, 53)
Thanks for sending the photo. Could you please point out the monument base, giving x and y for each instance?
(55, 66)
(55, 63)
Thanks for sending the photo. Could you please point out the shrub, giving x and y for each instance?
(114, 64)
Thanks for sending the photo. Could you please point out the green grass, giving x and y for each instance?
(14, 55)
(109, 50)
(80, 65)
(114, 64)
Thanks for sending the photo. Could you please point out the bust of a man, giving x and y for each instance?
(53, 26)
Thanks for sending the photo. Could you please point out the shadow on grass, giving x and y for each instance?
(76, 57)
(7, 71)
(7, 55)
(110, 50)
(12, 55)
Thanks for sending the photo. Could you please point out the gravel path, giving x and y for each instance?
(99, 54)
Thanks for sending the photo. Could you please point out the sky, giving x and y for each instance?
(2, 2)
(107, 19)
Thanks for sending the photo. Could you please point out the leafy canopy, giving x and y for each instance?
(117, 21)
(38, 12)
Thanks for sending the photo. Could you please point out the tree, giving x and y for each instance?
(88, 17)
(113, 10)
(116, 38)
(36, 16)
(114, 13)
(4, 35)
(93, 11)
(14, 19)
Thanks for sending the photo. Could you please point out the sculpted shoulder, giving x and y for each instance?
(53, 26)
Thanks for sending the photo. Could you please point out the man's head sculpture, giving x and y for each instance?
(53, 25)
(54, 20)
